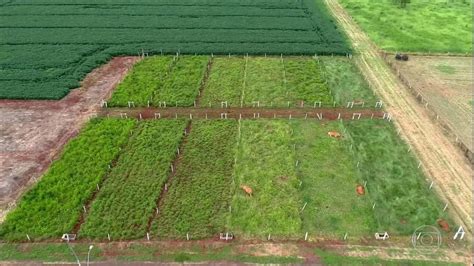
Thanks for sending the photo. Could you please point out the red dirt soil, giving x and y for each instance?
(34, 132)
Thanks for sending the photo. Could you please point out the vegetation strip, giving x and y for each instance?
(198, 198)
(331, 205)
(160, 200)
(395, 183)
(127, 198)
(265, 164)
(142, 82)
(54, 205)
(204, 81)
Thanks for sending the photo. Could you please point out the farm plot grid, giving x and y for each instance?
(48, 46)
(235, 81)
(257, 178)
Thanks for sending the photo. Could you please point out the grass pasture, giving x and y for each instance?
(199, 194)
(53, 206)
(346, 82)
(65, 50)
(423, 26)
(266, 163)
(328, 186)
(394, 182)
(128, 196)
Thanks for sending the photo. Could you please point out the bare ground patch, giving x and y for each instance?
(33, 133)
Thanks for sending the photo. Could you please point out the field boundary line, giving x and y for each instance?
(442, 162)
(164, 190)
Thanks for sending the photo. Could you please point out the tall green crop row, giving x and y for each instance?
(394, 182)
(266, 162)
(182, 86)
(54, 205)
(225, 83)
(127, 199)
(142, 82)
(264, 82)
(305, 82)
(198, 199)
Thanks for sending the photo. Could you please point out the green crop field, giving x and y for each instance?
(302, 180)
(422, 26)
(225, 83)
(242, 81)
(48, 46)
(142, 82)
(128, 197)
(53, 206)
(162, 79)
(199, 194)
(275, 82)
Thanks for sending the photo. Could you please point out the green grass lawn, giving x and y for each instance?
(266, 163)
(394, 181)
(199, 195)
(127, 199)
(423, 26)
(345, 81)
(328, 184)
(334, 259)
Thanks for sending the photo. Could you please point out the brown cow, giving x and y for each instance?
(247, 190)
(360, 190)
(334, 134)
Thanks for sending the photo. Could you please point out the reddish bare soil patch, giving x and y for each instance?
(360, 190)
(34, 132)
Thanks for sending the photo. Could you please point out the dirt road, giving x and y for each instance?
(442, 161)
(245, 113)
(34, 132)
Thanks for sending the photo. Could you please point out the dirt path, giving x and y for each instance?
(244, 113)
(34, 132)
(442, 161)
